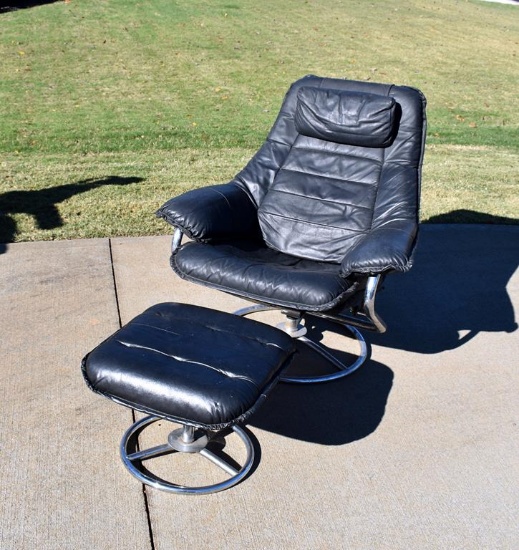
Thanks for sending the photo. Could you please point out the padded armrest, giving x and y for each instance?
(386, 248)
(213, 212)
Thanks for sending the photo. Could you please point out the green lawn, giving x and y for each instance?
(110, 107)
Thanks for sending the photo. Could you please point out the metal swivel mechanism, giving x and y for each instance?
(295, 327)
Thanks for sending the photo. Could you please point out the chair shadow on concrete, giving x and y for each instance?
(456, 289)
(334, 413)
(41, 204)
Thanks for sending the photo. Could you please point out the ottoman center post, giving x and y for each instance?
(184, 440)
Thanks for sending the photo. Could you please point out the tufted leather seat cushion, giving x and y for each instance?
(254, 271)
(190, 364)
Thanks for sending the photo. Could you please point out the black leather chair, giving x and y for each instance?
(326, 208)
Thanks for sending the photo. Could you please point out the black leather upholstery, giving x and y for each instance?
(353, 118)
(331, 196)
(286, 280)
(190, 364)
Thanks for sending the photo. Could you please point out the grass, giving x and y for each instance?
(111, 107)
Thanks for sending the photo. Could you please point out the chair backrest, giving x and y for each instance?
(343, 158)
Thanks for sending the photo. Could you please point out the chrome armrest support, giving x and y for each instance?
(177, 239)
(367, 319)
(369, 303)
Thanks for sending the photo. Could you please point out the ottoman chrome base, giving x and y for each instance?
(183, 440)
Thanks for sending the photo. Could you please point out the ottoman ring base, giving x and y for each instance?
(186, 439)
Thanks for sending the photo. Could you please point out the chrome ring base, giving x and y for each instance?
(299, 333)
(342, 369)
(184, 440)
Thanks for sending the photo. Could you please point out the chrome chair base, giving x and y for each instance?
(297, 330)
(186, 439)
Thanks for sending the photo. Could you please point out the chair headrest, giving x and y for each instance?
(352, 118)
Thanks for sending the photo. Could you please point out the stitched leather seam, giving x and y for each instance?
(314, 174)
(211, 327)
(287, 145)
(246, 336)
(190, 361)
(319, 199)
(335, 153)
(328, 226)
(155, 327)
(216, 328)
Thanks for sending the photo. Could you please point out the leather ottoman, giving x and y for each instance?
(203, 369)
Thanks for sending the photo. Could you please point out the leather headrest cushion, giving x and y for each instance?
(353, 118)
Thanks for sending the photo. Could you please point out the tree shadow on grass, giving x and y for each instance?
(41, 204)
(471, 216)
(13, 5)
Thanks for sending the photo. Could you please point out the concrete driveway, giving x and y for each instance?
(416, 450)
